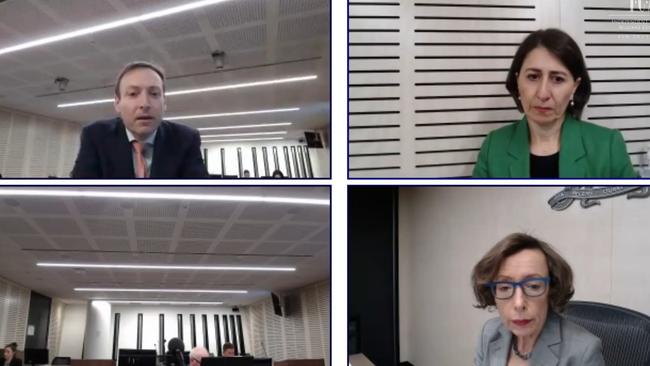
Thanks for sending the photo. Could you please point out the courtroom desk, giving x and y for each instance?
(319, 362)
(92, 363)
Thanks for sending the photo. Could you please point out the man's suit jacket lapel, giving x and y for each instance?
(519, 151)
(547, 347)
(159, 162)
(572, 150)
(121, 154)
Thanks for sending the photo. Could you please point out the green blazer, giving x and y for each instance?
(586, 151)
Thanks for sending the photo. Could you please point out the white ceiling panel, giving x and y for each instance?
(15, 225)
(246, 231)
(234, 13)
(292, 232)
(106, 227)
(31, 242)
(135, 231)
(262, 40)
(289, 7)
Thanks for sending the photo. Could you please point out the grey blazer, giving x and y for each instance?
(561, 343)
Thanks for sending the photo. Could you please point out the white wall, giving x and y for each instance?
(443, 232)
(35, 146)
(73, 326)
(98, 340)
(14, 308)
(304, 333)
(319, 158)
(150, 315)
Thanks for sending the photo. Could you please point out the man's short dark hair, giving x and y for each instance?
(562, 46)
(227, 346)
(139, 65)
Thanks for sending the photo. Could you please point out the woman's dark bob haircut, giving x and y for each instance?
(567, 51)
(486, 270)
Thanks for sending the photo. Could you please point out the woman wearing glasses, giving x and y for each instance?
(530, 284)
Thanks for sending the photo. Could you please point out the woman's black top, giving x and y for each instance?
(545, 166)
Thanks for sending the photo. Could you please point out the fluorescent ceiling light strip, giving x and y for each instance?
(89, 102)
(161, 196)
(90, 289)
(202, 90)
(243, 85)
(111, 25)
(162, 302)
(234, 113)
(148, 266)
(238, 140)
(246, 134)
(245, 126)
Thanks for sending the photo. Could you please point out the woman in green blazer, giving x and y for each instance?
(550, 84)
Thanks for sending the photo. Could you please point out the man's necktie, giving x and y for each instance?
(140, 163)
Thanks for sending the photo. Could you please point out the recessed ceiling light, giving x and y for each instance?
(234, 113)
(85, 289)
(246, 134)
(161, 196)
(111, 25)
(202, 90)
(165, 267)
(162, 302)
(238, 140)
(276, 124)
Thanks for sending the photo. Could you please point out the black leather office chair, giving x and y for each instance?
(61, 361)
(625, 333)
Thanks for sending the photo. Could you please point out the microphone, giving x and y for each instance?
(264, 349)
(181, 359)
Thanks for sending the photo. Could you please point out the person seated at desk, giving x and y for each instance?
(10, 356)
(530, 285)
(197, 354)
(550, 84)
(228, 350)
(139, 143)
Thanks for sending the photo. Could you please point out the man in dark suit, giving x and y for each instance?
(139, 143)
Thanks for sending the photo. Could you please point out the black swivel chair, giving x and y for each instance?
(625, 333)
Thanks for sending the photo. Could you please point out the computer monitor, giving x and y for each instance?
(227, 361)
(36, 356)
(136, 357)
(170, 359)
(263, 362)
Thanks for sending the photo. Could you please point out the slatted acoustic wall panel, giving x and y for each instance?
(54, 331)
(615, 39)
(462, 54)
(447, 82)
(427, 77)
(36, 147)
(376, 88)
(303, 333)
(14, 306)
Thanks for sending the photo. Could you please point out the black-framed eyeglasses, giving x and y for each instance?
(532, 287)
